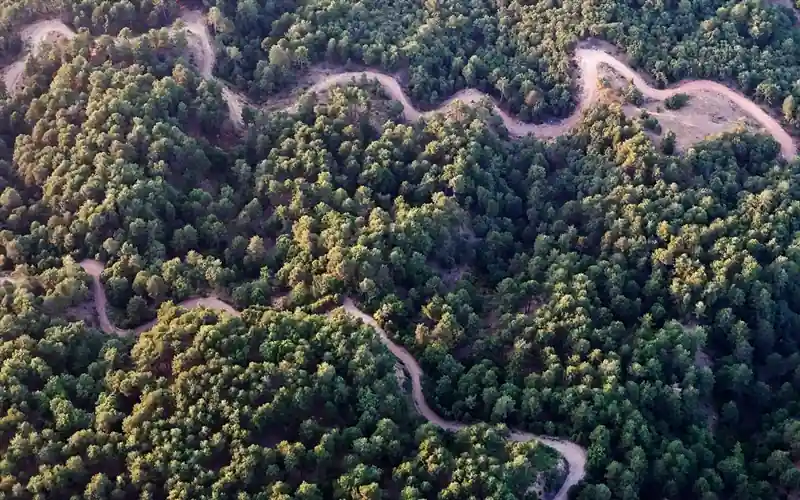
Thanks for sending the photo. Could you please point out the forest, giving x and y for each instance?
(517, 50)
(602, 286)
(206, 407)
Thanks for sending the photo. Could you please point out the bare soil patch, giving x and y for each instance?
(707, 113)
(48, 31)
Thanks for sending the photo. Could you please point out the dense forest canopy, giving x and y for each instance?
(599, 286)
(277, 404)
(516, 50)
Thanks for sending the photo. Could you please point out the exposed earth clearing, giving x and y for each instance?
(705, 115)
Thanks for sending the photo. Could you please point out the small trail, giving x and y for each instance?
(574, 454)
(587, 59)
(200, 42)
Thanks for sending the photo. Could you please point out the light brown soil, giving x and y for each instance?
(94, 269)
(705, 115)
(33, 35)
(14, 278)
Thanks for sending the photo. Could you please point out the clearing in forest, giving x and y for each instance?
(705, 114)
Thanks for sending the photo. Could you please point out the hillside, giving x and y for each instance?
(603, 284)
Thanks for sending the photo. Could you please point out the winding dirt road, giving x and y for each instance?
(574, 454)
(94, 268)
(588, 61)
(198, 31)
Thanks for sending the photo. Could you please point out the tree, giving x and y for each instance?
(157, 289)
(278, 56)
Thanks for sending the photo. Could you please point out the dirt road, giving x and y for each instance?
(200, 42)
(32, 36)
(573, 453)
(587, 59)
(94, 268)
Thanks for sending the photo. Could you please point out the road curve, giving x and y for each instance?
(587, 59)
(94, 268)
(573, 453)
(33, 35)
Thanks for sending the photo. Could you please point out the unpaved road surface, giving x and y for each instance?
(94, 268)
(574, 454)
(35, 33)
(588, 61)
(200, 42)
(10, 279)
(32, 36)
